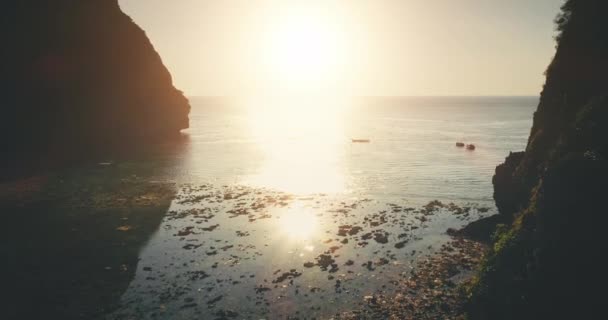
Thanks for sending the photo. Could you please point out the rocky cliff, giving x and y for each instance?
(79, 76)
(547, 259)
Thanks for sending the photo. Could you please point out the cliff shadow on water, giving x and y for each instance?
(72, 237)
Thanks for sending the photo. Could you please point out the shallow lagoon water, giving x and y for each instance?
(278, 214)
(258, 253)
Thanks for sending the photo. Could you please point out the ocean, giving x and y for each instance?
(279, 213)
(308, 148)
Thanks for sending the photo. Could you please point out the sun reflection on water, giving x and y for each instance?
(299, 224)
(302, 143)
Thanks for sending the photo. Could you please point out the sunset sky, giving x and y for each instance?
(351, 47)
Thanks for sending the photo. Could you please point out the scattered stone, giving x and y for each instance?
(210, 228)
(324, 261)
(381, 237)
(214, 300)
(287, 275)
(242, 233)
(226, 314)
(185, 232)
(348, 230)
(197, 275)
(191, 246)
(261, 289)
(400, 245)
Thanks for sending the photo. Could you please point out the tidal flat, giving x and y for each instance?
(117, 242)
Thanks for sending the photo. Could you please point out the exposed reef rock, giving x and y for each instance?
(506, 194)
(81, 75)
(547, 260)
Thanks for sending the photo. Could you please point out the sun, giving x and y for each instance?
(302, 47)
(303, 50)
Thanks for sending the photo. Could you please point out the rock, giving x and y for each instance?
(480, 230)
(554, 193)
(215, 300)
(261, 289)
(287, 275)
(348, 230)
(225, 314)
(197, 275)
(325, 261)
(210, 228)
(81, 75)
(508, 192)
(381, 237)
(400, 245)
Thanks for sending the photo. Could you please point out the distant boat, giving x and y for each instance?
(360, 140)
(460, 144)
(470, 147)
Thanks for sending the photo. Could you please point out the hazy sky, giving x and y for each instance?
(352, 47)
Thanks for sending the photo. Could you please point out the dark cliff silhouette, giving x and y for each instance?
(80, 76)
(547, 259)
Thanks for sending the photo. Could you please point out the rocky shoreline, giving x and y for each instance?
(123, 208)
(436, 289)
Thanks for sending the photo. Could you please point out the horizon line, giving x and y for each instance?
(366, 96)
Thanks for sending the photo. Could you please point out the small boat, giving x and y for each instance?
(460, 144)
(470, 147)
(360, 140)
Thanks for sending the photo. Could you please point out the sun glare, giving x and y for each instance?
(301, 143)
(303, 50)
(299, 124)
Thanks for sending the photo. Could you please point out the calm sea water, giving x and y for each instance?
(306, 147)
(280, 214)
